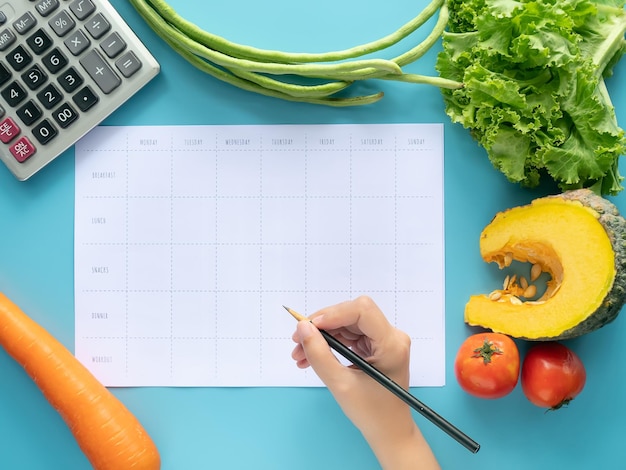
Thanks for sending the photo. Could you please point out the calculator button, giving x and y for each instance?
(100, 71)
(82, 8)
(22, 149)
(34, 77)
(65, 115)
(39, 41)
(8, 130)
(97, 26)
(54, 61)
(128, 64)
(85, 98)
(24, 23)
(29, 113)
(3, 18)
(5, 74)
(113, 45)
(6, 39)
(19, 58)
(61, 23)
(14, 94)
(50, 96)
(70, 80)
(44, 132)
(46, 7)
(77, 42)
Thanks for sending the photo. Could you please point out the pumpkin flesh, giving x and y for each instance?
(568, 241)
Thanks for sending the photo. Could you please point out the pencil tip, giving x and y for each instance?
(295, 314)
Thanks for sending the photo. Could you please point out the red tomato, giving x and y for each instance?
(552, 375)
(487, 365)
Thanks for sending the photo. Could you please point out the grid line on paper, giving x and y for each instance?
(303, 149)
(126, 267)
(305, 219)
(307, 371)
(205, 338)
(246, 338)
(216, 231)
(171, 340)
(256, 197)
(395, 226)
(350, 218)
(243, 244)
(416, 291)
(261, 252)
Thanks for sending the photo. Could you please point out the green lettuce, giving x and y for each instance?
(534, 94)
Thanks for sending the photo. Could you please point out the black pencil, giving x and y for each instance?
(394, 388)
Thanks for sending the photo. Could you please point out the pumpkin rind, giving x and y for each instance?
(615, 226)
(543, 320)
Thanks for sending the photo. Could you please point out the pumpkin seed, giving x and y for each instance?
(495, 295)
(523, 283)
(535, 272)
(530, 291)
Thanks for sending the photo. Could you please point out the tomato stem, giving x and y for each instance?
(486, 351)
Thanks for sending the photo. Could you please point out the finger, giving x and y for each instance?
(298, 353)
(361, 316)
(318, 353)
(303, 364)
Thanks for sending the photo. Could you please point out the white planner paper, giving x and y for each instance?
(190, 239)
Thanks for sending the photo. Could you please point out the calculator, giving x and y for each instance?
(65, 65)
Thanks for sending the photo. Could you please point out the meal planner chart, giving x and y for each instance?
(190, 239)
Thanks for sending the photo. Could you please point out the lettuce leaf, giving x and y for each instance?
(534, 94)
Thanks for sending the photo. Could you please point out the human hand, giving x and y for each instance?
(384, 420)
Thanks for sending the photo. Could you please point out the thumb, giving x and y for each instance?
(318, 353)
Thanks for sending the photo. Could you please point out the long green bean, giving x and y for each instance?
(216, 42)
(321, 70)
(250, 86)
(296, 90)
(418, 51)
(424, 80)
(253, 87)
(256, 69)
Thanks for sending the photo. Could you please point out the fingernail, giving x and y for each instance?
(317, 320)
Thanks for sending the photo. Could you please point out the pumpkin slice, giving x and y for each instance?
(579, 239)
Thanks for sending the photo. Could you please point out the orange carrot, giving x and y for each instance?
(106, 431)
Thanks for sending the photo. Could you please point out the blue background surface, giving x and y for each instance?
(291, 427)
